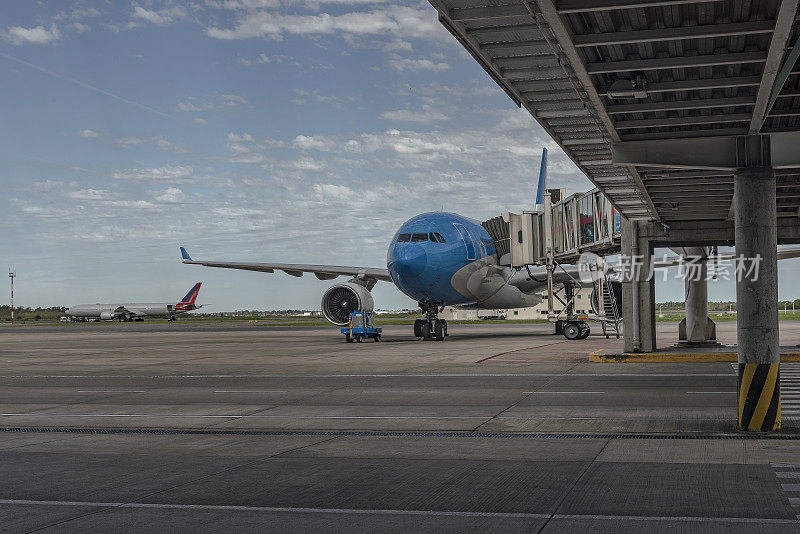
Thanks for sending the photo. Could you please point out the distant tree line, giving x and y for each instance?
(22, 313)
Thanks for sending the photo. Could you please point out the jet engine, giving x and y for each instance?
(107, 316)
(342, 299)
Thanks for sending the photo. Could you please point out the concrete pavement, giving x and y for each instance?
(251, 428)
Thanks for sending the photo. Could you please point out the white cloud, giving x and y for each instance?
(242, 4)
(171, 195)
(194, 104)
(79, 27)
(90, 133)
(419, 64)
(199, 120)
(160, 17)
(18, 35)
(156, 142)
(78, 13)
(401, 21)
(167, 173)
(427, 115)
(89, 194)
(314, 142)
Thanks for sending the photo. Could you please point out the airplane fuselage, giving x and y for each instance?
(447, 259)
(142, 309)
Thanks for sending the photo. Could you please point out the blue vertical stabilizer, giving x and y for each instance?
(542, 182)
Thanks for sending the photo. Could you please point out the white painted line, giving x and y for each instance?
(794, 501)
(414, 375)
(788, 474)
(358, 417)
(111, 391)
(564, 392)
(790, 487)
(444, 513)
(242, 416)
(250, 391)
(710, 392)
(399, 391)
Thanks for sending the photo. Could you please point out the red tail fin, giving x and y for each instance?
(191, 296)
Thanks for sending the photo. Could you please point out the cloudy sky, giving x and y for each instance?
(254, 130)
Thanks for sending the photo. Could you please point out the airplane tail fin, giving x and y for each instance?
(542, 182)
(191, 296)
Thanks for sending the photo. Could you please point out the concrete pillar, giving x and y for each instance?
(638, 291)
(757, 299)
(697, 327)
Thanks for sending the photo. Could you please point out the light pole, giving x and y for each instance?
(12, 275)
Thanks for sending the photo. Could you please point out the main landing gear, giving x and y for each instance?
(431, 327)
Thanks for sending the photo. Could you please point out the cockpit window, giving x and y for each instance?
(404, 238)
(439, 237)
(415, 238)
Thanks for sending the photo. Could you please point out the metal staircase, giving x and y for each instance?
(612, 297)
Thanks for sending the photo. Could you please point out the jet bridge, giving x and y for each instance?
(566, 228)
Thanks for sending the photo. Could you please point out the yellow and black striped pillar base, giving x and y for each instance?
(759, 397)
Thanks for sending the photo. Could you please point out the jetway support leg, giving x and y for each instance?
(638, 290)
(697, 327)
(757, 299)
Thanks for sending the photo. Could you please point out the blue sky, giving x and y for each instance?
(255, 130)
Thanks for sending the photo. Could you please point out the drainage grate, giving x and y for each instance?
(367, 433)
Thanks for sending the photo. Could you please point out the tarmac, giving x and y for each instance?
(210, 426)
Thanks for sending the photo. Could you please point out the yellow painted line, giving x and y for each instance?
(669, 357)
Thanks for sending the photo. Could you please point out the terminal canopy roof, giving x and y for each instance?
(603, 74)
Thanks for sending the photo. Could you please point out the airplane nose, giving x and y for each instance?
(411, 261)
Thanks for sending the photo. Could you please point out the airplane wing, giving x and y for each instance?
(323, 272)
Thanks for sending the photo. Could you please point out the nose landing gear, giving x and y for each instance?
(431, 328)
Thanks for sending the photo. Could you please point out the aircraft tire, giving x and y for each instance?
(426, 330)
(418, 328)
(572, 331)
(438, 330)
(444, 327)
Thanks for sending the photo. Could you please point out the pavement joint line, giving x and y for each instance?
(273, 509)
(520, 350)
(418, 433)
(361, 511)
(574, 485)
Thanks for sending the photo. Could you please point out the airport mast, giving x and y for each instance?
(12, 274)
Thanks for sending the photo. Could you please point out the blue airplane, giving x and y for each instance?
(438, 259)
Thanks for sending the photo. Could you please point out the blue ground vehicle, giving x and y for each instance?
(361, 327)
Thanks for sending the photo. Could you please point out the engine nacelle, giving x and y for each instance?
(107, 316)
(341, 300)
